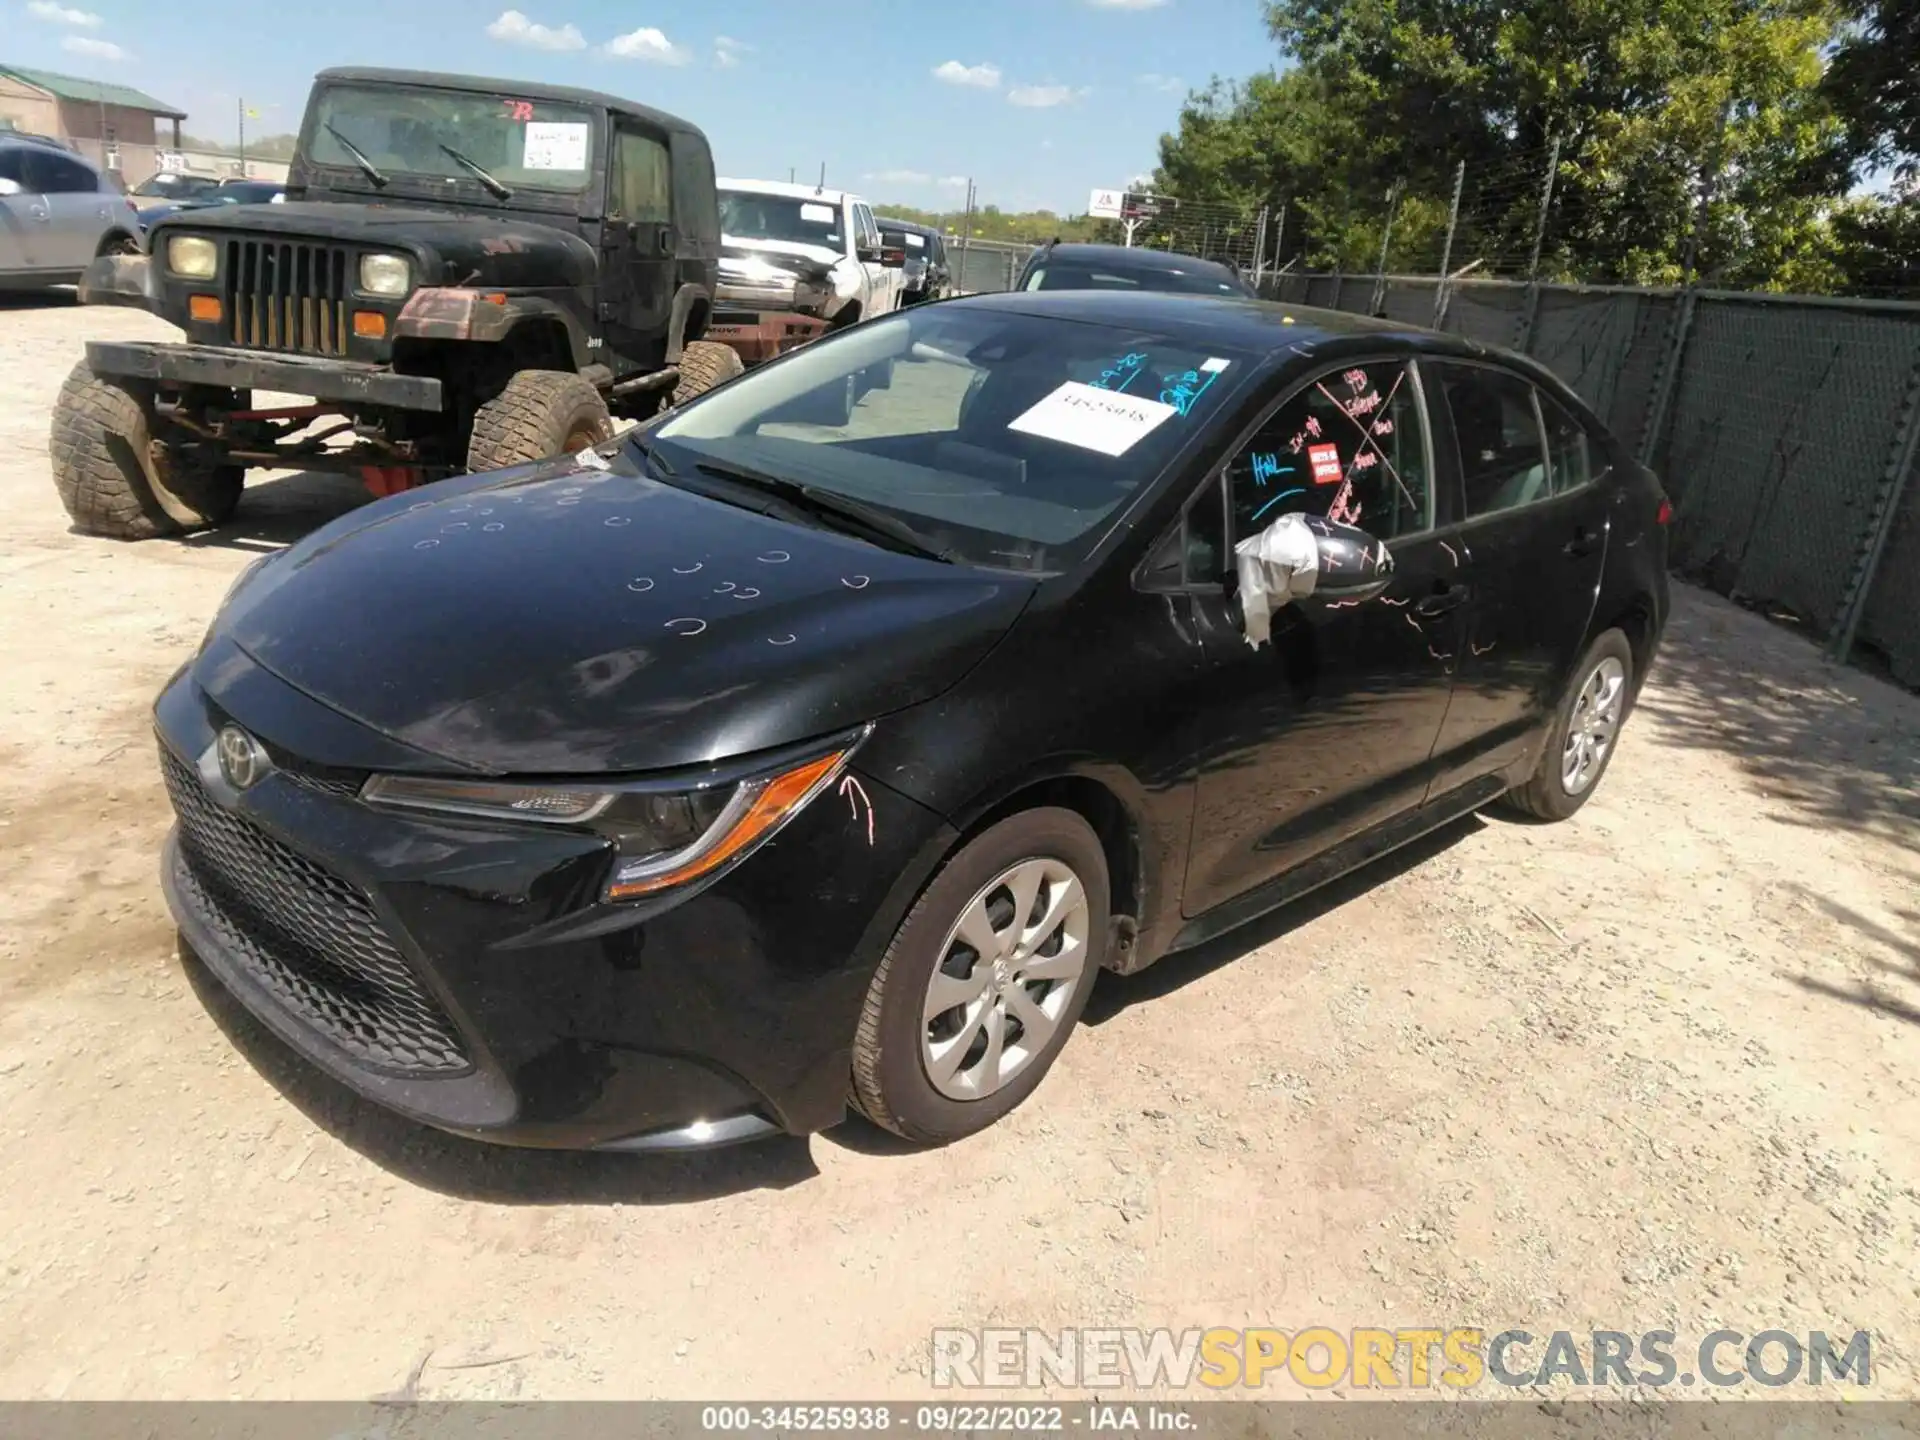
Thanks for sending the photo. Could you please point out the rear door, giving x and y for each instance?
(78, 209)
(881, 295)
(22, 215)
(1534, 543)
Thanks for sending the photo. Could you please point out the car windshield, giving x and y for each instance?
(1008, 440)
(745, 215)
(404, 131)
(247, 193)
(172, 186)
(1083, 275)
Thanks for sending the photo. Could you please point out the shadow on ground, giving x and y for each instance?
(1899, 965)
(278, 512)
(498, 1174)
(1827, 746)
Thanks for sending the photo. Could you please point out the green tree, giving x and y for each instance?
(1874, 83)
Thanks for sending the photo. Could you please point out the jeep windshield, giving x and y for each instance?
(406, 132)
(745, 215)
(999, 439)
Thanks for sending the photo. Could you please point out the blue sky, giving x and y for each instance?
(1039, 100)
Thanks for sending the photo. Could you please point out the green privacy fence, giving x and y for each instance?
(1784, 427)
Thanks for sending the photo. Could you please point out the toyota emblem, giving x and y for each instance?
(242, 761)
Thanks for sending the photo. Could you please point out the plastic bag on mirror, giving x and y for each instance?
(1274, 568)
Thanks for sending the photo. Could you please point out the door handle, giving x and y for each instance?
(1446, 597)
(1582, 543)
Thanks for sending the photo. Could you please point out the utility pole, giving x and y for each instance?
(1524, 341)
(242, 103)
(1446, 249)
(1386, 238)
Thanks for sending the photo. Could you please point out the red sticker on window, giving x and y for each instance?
(1325, 460)
(519, 109)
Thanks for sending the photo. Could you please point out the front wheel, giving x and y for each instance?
(540, 414)
(985, 979)
(703, 365)
(1586, 732)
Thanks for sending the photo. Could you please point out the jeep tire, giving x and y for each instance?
(116, 479)
(540, 414)
(703, 365)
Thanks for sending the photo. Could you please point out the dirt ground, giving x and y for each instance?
(1656, 1067)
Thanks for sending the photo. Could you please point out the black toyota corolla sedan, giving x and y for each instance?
(819, 743)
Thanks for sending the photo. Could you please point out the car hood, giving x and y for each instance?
(556, 619)
(735, 247)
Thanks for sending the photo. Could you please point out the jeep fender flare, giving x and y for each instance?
(685, 300)
(450, 313)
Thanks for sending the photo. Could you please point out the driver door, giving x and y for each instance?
(638, 245)
(1330, 728)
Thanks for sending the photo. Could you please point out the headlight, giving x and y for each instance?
(192, 258)
(384, 274)
(664, 837)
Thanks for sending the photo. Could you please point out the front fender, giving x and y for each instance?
(444, 312)
(121, 280)
(684, 301)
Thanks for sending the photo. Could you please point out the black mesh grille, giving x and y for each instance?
(309, 937)
(287, 295)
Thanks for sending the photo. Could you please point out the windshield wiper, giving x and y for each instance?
(367, 167)
(830, 505)
(499, 191)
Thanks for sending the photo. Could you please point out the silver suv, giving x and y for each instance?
(57, 212)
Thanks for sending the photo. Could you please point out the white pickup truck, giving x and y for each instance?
(799, 250)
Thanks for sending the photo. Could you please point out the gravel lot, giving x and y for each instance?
(1657, 1067)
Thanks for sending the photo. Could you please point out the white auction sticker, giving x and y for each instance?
(555, 145)
(1093, 419)
(818, 214)
(1215, 365)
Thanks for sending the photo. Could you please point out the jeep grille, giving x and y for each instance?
(288, 295)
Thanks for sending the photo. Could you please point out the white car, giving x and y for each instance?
(802, 248)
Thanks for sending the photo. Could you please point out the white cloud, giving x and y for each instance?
(727, 51)
(1170, 84)
(1045, 97)
(648, 44)
(899, 177)
(953, 182)
(982, 76)
(96, 49)
(1126, 4)
(58, 14)
(516, 29)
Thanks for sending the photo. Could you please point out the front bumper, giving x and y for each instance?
(343, 381)
(757, 336)
(466, 976)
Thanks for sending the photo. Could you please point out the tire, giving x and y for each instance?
(703, 365)
(1602, 682)
(119, 243)
(897, 1048)
(115, 479)
(540, 414)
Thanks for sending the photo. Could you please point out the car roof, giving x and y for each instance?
(42, 142)
(786, 189)
(509, 89)
(1132, 257)
(911, 226)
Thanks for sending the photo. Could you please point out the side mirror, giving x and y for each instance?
(1353, 565)
(1302, 556)
(866, 253)
(894, 259)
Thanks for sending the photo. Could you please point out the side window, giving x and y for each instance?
(51, 174)
(1349, 447)
(1503, 460)
(1195, 552)
(11, 167)
(697, 207)
(642, 179)
(1571, 452)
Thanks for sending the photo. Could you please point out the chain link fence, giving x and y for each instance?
(1784, 427)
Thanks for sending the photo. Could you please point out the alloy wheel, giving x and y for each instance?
(1594, 725)
(1010, 967)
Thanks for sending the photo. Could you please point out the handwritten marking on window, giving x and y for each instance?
(1266, 466)
(1369, 440)
(1184, 389)
(1356, 380)
(1365, 460)
(1284, 494)
(1383, 426)
(1122, 372)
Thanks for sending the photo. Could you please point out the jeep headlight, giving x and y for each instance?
(192, 258)
(384, 274)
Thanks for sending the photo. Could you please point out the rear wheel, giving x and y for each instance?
(540, 414)
(116, 479)
(985, 979)
(703, 365)
(1586, 731)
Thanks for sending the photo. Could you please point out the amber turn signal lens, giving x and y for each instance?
(204, 307)
(369, 324)
(778, 799)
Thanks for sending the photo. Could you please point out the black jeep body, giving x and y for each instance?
(466, 274)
